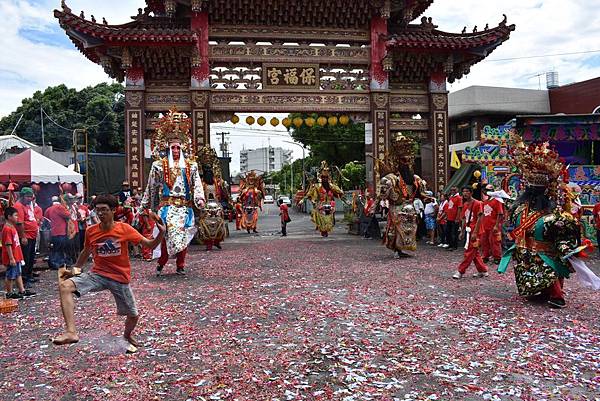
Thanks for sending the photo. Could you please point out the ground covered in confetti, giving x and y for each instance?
(309, 319)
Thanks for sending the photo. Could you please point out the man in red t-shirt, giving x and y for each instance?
(491, 237)
(108, 242)
(58, 215)
(452, 215)
(28, 228)
(472, 212)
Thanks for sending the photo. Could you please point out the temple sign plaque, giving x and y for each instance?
(290, 76)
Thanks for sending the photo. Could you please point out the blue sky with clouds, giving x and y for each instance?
(36, 53)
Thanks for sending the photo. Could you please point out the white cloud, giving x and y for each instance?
(543, 27)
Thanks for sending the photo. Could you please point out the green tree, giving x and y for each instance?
(100, 109)
(337, 144)
(355, 173)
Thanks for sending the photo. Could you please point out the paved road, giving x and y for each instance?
(308, 318)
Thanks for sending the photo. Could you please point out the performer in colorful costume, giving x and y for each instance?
(322, 194)
(174, 186)
(211, 225)
(546, 235)
(251, 194)
(396, 171)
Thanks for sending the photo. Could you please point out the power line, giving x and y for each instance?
(545, 55)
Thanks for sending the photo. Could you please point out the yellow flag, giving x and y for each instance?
(454, 160)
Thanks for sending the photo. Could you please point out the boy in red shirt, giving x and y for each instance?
(28, 229)
(472, 212)
(12, 256)
(453, 216)
(491, 237)
(109, 243)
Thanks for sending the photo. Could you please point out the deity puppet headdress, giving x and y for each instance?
(207, 156)
(539, 165)
(173, 126)
(324, 170)
(402, 153)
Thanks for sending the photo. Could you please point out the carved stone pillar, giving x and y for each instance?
(439, 125)
(135, 125)
(380, 116)
(200, 119)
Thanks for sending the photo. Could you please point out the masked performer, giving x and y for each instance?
(399, 186)
(322, 194)
(174, 185)
(251, 195)
(546, 235)
(211, 225)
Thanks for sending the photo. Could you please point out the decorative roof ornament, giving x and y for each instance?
(173, 126)
(64, 6)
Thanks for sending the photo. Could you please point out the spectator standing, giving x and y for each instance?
(431, 211)
(285, 217)
(441, 222)
(596, 220)
(471, 215)
(59, 216)
(452, 212)
(12, 256)
(28, 228)
(419, 209)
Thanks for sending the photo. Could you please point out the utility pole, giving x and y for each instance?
(224, 149)
(42, 123)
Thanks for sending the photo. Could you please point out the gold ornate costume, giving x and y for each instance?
(322, 195)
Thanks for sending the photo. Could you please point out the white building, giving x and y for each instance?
(264, 160)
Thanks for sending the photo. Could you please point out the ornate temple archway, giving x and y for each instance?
(212, 58)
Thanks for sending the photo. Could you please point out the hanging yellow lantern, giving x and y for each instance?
(235, 119)
(477, 174)
(309, 122)
(322, 121)
(287, 123)
(298, 122)
(261, 121)
(249, 120)
(344, 120)
(333, 120)
(274, 121)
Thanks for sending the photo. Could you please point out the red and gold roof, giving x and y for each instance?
(430, 49)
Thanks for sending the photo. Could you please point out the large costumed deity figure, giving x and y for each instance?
(251, 195)
(212, 228)
(548, 244)
(322, 194)
(174, 186)
(399, 186)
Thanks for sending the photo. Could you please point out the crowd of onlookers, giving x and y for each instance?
(28, 231)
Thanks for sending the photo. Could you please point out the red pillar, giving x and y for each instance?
(200, 82)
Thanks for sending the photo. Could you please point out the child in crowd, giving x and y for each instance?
(12, 256)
